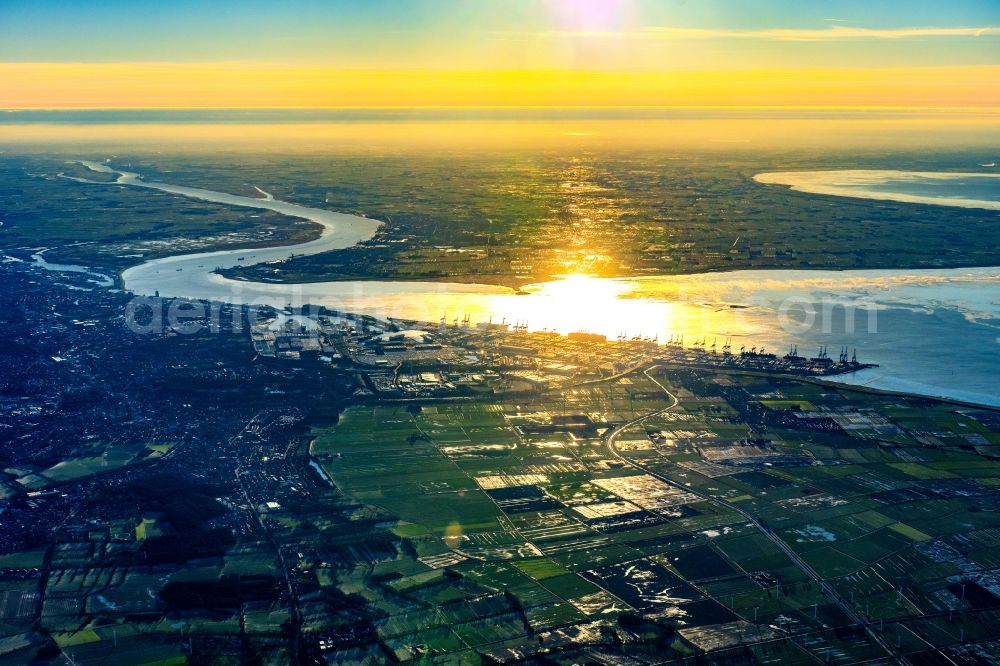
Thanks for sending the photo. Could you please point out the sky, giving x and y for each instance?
(469, 53)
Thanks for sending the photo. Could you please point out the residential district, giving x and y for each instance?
(328, 488)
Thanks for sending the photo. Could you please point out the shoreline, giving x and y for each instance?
(849, 183)
(676, 303)
(519, 284)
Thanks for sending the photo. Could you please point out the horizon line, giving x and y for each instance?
(745, 107)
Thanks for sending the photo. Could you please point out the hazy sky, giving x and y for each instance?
(71, 53)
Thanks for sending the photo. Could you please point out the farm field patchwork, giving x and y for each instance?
(542, 527)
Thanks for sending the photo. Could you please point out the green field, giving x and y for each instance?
(498, 216)
(557, 521)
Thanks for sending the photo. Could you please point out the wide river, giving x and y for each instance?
(934, 332)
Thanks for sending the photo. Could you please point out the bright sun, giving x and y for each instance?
(589, 15)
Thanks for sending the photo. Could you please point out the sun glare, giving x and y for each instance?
(587, 303)
(589, 15)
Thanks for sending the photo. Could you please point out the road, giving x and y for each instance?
(253, 503)
(843, 604)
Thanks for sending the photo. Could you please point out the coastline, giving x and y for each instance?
(521, 283)
(849, 183)
(695, 304)
(330, 221)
